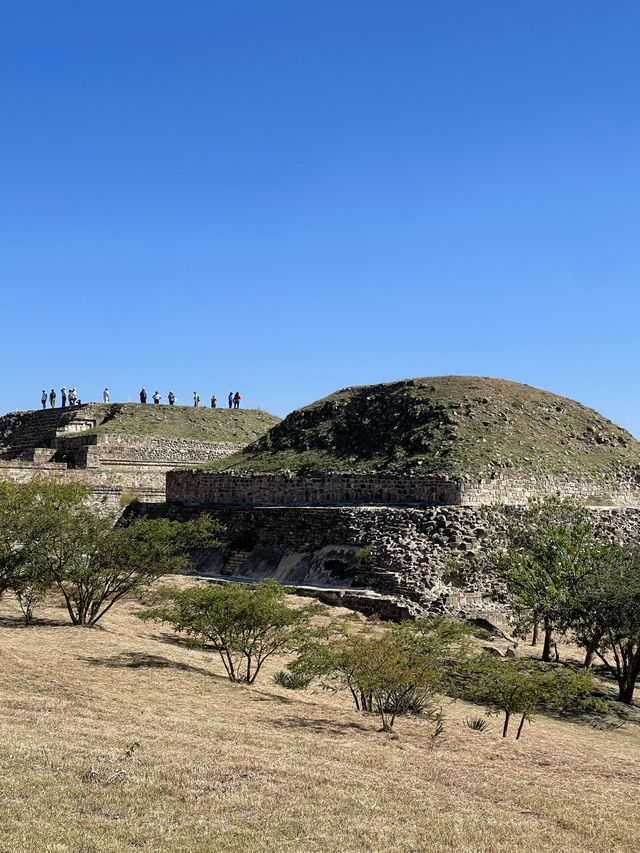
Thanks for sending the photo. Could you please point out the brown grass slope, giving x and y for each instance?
(454, 425)
(226, 769)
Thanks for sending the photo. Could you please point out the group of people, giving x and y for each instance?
(70, 397)
(233, 399)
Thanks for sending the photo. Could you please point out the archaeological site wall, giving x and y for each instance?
(61, 443)
(393, 544)
(288, 489)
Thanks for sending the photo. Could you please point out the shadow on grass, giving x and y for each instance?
(141, 660)
(18, 622)
(319, 726)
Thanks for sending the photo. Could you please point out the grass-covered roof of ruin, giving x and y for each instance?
(239, 426)
(453, 425)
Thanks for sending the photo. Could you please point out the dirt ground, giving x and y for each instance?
(124, 739)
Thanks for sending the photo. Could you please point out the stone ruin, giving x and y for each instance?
(63, 443)
(398, 545)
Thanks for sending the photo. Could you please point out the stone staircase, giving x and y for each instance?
(234, 563)
(38, 430)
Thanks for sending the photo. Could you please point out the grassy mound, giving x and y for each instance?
(239, 426)
(455, 425)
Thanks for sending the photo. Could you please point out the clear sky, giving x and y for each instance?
(286, 198)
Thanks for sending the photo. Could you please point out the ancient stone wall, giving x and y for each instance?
(515, 491)
(115, 467)
(288, 489)
(412, 559)
(107, 449)
(109, 488)
(241, 489)
(23, 431)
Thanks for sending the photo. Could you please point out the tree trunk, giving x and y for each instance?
(520, 727)
(626, 689)
(536, 631)
(591, 650)
(505, 728)
(546, 648)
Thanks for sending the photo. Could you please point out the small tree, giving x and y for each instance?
(50, 537)
(392, 672)
(521, 689)
(610, 614)
(247, 623)
(548, 558)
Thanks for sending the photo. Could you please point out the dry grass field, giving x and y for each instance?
(227, 769)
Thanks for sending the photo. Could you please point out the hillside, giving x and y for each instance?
(235, 425)
(22, 430)
(220, 768)
(455, 425)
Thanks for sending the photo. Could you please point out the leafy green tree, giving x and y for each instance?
(606, 617)
(552, 547)
(51, 538)
(520, 689)
(391, 672)
(247, 623)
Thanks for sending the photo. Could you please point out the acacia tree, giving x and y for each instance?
(391, 672)
(29, 515)
(552, 547)
(520, 689)
(246, 623)
(59, 542)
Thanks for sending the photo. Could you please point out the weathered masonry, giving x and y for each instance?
(373, 489)
(62, 443)
(395, 544)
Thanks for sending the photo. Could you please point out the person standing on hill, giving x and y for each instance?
(43, 399)
(72, 397)
(63, 393)
(156, 398)
(196, 399)
(171, 398)
(52, 398)
(143, 395)
(230, 398)
(236, 400)
(214, 400)
(105, 396)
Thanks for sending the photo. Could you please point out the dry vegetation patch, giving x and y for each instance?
(222, 768)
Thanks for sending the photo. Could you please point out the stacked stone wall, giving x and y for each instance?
(288, 489)
(284, 489)
(23, 431)
(106, 449)
(516, 491)
(414, 559)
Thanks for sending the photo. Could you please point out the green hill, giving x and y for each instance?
(240, 426)
(455, 425)
(20, 431)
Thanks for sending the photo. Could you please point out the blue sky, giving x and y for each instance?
(287, 198)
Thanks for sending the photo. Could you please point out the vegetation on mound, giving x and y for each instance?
(239, 426)
(453, 425)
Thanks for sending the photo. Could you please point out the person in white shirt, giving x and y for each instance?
(105, 395)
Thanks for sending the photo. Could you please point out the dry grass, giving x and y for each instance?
(224, 768)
